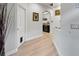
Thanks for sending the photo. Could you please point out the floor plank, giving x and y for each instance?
(42, 46)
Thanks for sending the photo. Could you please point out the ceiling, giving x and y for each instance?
(48, 5)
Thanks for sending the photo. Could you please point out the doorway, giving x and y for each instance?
(46, 21)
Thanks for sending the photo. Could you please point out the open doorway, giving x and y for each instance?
(46, 21)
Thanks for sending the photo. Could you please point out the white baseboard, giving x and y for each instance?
(31, 38)
(59, 53)
(20, 44)
(10, 52)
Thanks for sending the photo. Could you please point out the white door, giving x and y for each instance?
(21, 14)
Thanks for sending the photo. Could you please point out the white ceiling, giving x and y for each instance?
(48, 5)
(56, 5)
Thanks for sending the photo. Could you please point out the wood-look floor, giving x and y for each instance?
(42, 46)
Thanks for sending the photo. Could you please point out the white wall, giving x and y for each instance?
(10, 39)
(33, 28)
(55, 20)
(67, 40)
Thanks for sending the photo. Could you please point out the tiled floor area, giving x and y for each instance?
(42, 46)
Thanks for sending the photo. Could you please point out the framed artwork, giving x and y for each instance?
(57, 12)
(35, 16)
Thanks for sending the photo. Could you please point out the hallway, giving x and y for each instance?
(22, 29)
(41, 46)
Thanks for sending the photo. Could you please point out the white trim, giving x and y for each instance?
(20, 44)
(31, 38)
(11, 52)
(59, 53)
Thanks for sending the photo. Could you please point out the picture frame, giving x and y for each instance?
(57, 12)
(35, 16)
